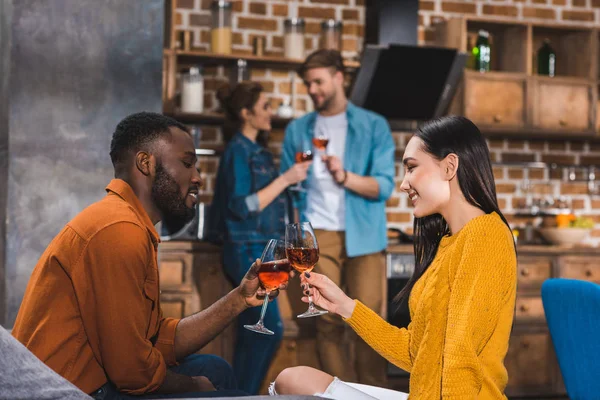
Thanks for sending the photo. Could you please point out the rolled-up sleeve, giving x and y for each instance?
(116, 296)
(383, 168)
(243, 202)
(165, 340)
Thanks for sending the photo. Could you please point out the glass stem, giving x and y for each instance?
(264, 309)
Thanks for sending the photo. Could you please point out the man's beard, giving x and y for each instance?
(166, 195)
(326, 103)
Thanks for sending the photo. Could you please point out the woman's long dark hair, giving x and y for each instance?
(443, 136)
(233, 100)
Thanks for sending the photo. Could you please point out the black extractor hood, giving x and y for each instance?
(403, 82)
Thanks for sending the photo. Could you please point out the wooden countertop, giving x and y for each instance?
(199, 246)
(523, 249)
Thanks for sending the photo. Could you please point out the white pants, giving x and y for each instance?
(340, 390)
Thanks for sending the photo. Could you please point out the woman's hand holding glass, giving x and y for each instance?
(327, 295)
(296, 173)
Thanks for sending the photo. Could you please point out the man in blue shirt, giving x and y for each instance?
(344, 200)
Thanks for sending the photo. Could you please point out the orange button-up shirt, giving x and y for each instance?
(91, 310)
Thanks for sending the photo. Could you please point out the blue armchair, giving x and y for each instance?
(573, 314)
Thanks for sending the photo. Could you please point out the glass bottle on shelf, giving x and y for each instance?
(546, 58)
(331, 34)
(220, 33)
(192, 91)
(482, 52)
(293, 38)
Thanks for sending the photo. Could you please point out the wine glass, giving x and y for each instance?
(303, 153)
(302, 251)
(320, 141)
(273, 272)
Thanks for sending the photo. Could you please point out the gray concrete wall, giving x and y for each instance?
(77, 67)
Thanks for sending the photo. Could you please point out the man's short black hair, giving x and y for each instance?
(136, 132)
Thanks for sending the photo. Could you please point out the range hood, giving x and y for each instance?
(403, 82)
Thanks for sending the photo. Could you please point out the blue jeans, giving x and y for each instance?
(253, 351)
(214, 368)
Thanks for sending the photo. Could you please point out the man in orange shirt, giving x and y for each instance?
(91, 310)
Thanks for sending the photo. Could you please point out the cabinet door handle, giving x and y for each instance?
(588, 273)
(562, 122)
(525, 344)
(525, 272)
(497, 118)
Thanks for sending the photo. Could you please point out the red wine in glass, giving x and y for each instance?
(273, 274)
(320, 143)
(303, 259)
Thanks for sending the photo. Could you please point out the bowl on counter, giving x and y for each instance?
(565, 236)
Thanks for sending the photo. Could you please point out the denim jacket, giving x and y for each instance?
(369, 152)
(244, 169)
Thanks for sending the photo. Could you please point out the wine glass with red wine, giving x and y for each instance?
(274, 271)
(303, 153)
(320, 142)
(302, 251)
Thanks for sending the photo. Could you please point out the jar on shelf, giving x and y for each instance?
(220, 42)
(192, 91)
(293, 38)
(331, 34)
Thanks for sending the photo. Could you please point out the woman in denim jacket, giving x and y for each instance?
(250, 206)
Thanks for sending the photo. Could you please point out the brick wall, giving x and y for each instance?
(266, 17)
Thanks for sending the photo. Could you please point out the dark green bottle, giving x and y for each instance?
(482, 52)
(546, 59)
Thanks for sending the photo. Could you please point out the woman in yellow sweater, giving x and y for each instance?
(462, 294)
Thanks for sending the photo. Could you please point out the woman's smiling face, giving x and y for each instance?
(424, 180)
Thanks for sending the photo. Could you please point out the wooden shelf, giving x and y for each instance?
(208, 58)
(213, 118)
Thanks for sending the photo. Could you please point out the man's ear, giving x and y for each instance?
(450, 166)
(145, 163)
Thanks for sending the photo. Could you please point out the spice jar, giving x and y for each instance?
(192, 91)
(293, 38)
(221, 27)
(331, 34)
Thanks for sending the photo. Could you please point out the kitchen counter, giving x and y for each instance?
(521, 249)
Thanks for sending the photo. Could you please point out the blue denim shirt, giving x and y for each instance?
(244, 169)
(369, 152)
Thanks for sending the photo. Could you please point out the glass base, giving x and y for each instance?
(312, 312)
(259, 328)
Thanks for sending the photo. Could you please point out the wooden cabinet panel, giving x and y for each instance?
(172, 309)
(176, 271)
(171, 272)
(582, 268)
(495, 100)
(529, 309)
(563, 105)
(531, 364)
(533, 271)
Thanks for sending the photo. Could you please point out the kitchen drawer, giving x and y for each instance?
(529, 309)
(533, 271)
(561, 104)
(531, 365)
(175, 271)
(495, 100)
(581, 268)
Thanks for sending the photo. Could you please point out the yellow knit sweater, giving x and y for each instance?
(462, 312)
